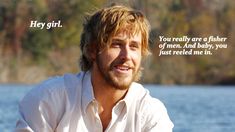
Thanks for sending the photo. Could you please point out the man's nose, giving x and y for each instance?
(125, 53)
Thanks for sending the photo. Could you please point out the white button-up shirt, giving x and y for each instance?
(67, 104)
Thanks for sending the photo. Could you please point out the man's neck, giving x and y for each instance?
(107, 96)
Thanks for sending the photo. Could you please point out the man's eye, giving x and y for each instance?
(115, 45)
(134, 46)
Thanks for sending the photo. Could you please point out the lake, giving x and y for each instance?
(191, 108)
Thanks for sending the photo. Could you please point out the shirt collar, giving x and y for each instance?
(87, 91)
(88, 94)
(130, 95)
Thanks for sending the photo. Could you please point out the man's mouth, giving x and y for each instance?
(122, 68)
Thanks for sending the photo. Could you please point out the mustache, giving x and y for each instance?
(120, 62)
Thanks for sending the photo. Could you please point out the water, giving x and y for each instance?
(191, 108)
(199, 108)
(10, 95)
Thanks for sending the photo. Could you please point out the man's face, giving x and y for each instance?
(119, 63)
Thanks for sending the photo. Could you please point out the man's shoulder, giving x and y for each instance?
(146, 101)
(55, 85)
(150, 107)
(55, 82)
(138, 87)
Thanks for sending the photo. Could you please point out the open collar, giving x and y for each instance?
(87, 91)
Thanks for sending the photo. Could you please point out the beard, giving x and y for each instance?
(118, 81)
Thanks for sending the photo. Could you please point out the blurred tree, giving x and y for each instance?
(14, 15)
(38, 42)
(172, 18)
(71, 16)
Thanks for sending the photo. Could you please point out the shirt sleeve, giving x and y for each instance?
(38, 111)
(156, 118)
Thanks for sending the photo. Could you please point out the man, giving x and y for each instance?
(104, 96)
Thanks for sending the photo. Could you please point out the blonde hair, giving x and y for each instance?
(100, 27)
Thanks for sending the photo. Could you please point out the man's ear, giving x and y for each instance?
(93, 55)
(93, 51)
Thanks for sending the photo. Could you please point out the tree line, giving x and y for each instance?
(172, 18)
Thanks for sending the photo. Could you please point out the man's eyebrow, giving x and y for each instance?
(135, 42)
(121, 40)
(117, 40)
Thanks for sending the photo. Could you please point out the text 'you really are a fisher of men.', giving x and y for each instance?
(190, 45)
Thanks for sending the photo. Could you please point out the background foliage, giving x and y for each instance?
(31, 54)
